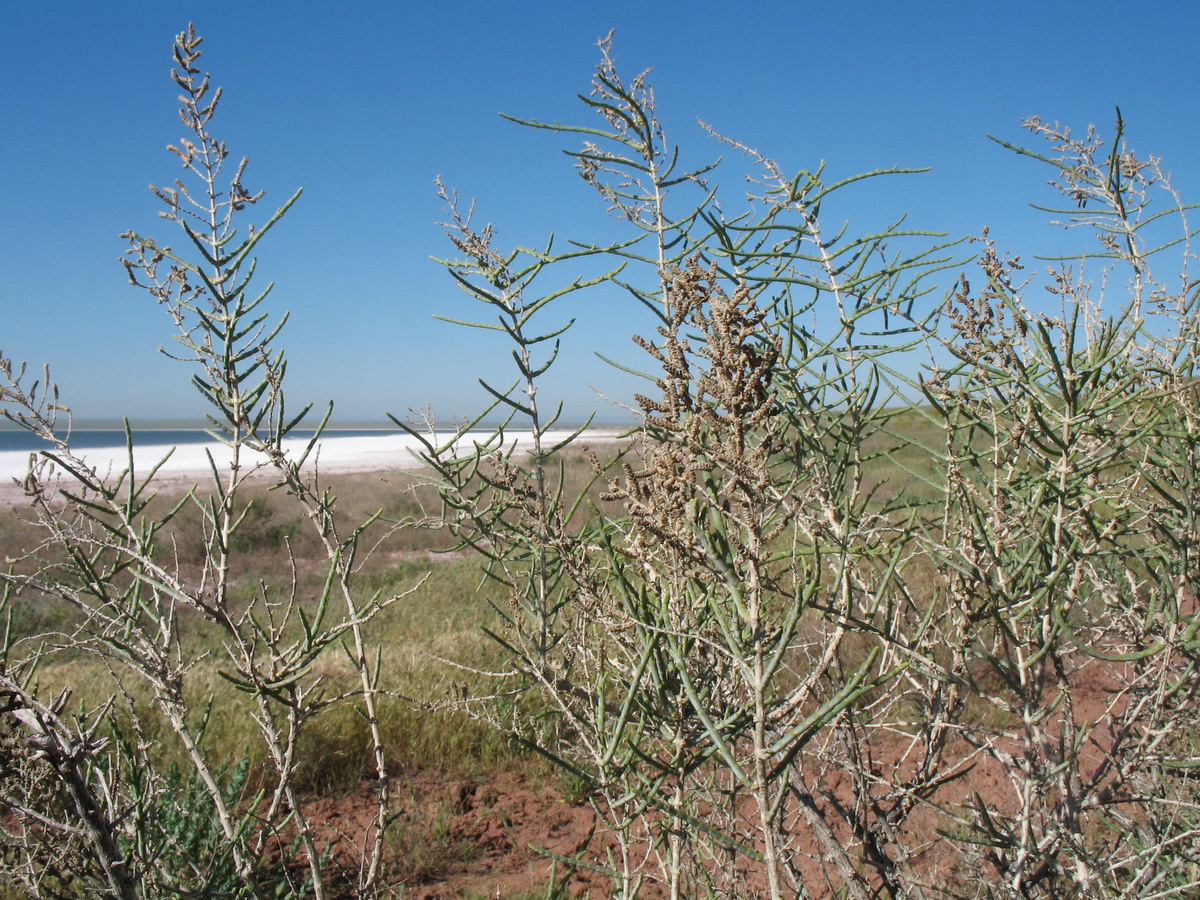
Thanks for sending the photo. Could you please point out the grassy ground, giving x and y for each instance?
(446, 605)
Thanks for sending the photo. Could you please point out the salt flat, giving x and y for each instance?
(191, 463)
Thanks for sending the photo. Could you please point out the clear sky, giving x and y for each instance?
(364, 104)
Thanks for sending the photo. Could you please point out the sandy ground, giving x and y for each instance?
(190, 463)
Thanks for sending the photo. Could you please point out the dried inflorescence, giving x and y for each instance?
(988, 331)
(711, 434)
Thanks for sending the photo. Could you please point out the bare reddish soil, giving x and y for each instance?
(455, 837)
(465, 838)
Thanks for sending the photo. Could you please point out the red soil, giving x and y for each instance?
(476, 838)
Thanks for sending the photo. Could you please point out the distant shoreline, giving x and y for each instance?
(191, 463)
(137, 425)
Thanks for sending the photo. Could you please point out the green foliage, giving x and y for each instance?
(187, 819)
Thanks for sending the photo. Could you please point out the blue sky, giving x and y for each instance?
(364, 104)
